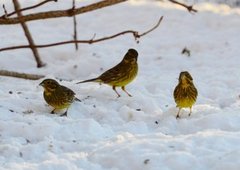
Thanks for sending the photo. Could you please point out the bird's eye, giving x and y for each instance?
(48, 82)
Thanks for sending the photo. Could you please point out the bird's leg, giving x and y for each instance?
(65, 113)
(52, 112)
(114, 88)
(177, 117)
(123, 88)
(190, 111)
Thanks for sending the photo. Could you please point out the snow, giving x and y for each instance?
(232, 3)
(137, 133)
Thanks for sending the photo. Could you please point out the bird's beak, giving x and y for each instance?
(41, 84)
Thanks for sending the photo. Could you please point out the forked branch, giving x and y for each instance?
(24, 9)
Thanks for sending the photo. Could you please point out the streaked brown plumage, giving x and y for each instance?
(185, 93)
(57, 96)
(121, 74)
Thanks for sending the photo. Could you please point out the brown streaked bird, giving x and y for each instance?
(57, 96)
(121, 74)
(185, 93)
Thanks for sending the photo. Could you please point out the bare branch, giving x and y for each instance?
(75, 27)
(28, 35)
(20, 75)
(60, 13)
(188, 7)
(135, 34)
(27, 8)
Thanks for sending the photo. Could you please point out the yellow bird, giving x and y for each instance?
(57, 96)
(185, 93)
(121, 74)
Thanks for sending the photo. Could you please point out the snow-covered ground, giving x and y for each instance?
(129, 133)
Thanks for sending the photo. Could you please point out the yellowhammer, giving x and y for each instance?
(121, 74)
(57, 96)
(185, 93)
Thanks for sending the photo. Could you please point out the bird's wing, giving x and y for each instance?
(111, 73)
(67, 94)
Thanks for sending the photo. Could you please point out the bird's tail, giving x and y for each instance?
(91, 80)
(77, 99)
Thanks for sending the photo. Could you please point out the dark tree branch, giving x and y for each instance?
(59, 13)
(20, 75)
(188, 7)
(135, 34)
(28, 34)
(75, 27)
(27, 8)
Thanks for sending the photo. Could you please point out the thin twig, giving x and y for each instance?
(27, 8)
(5, 11)
(153, 28)
(135, 34)
(59, 13)
(188, 7)
(28, 34)
(94, 35)
(20, 75)
(75, 27)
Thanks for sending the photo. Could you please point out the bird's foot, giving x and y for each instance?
(177, 117)
(64, 114)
